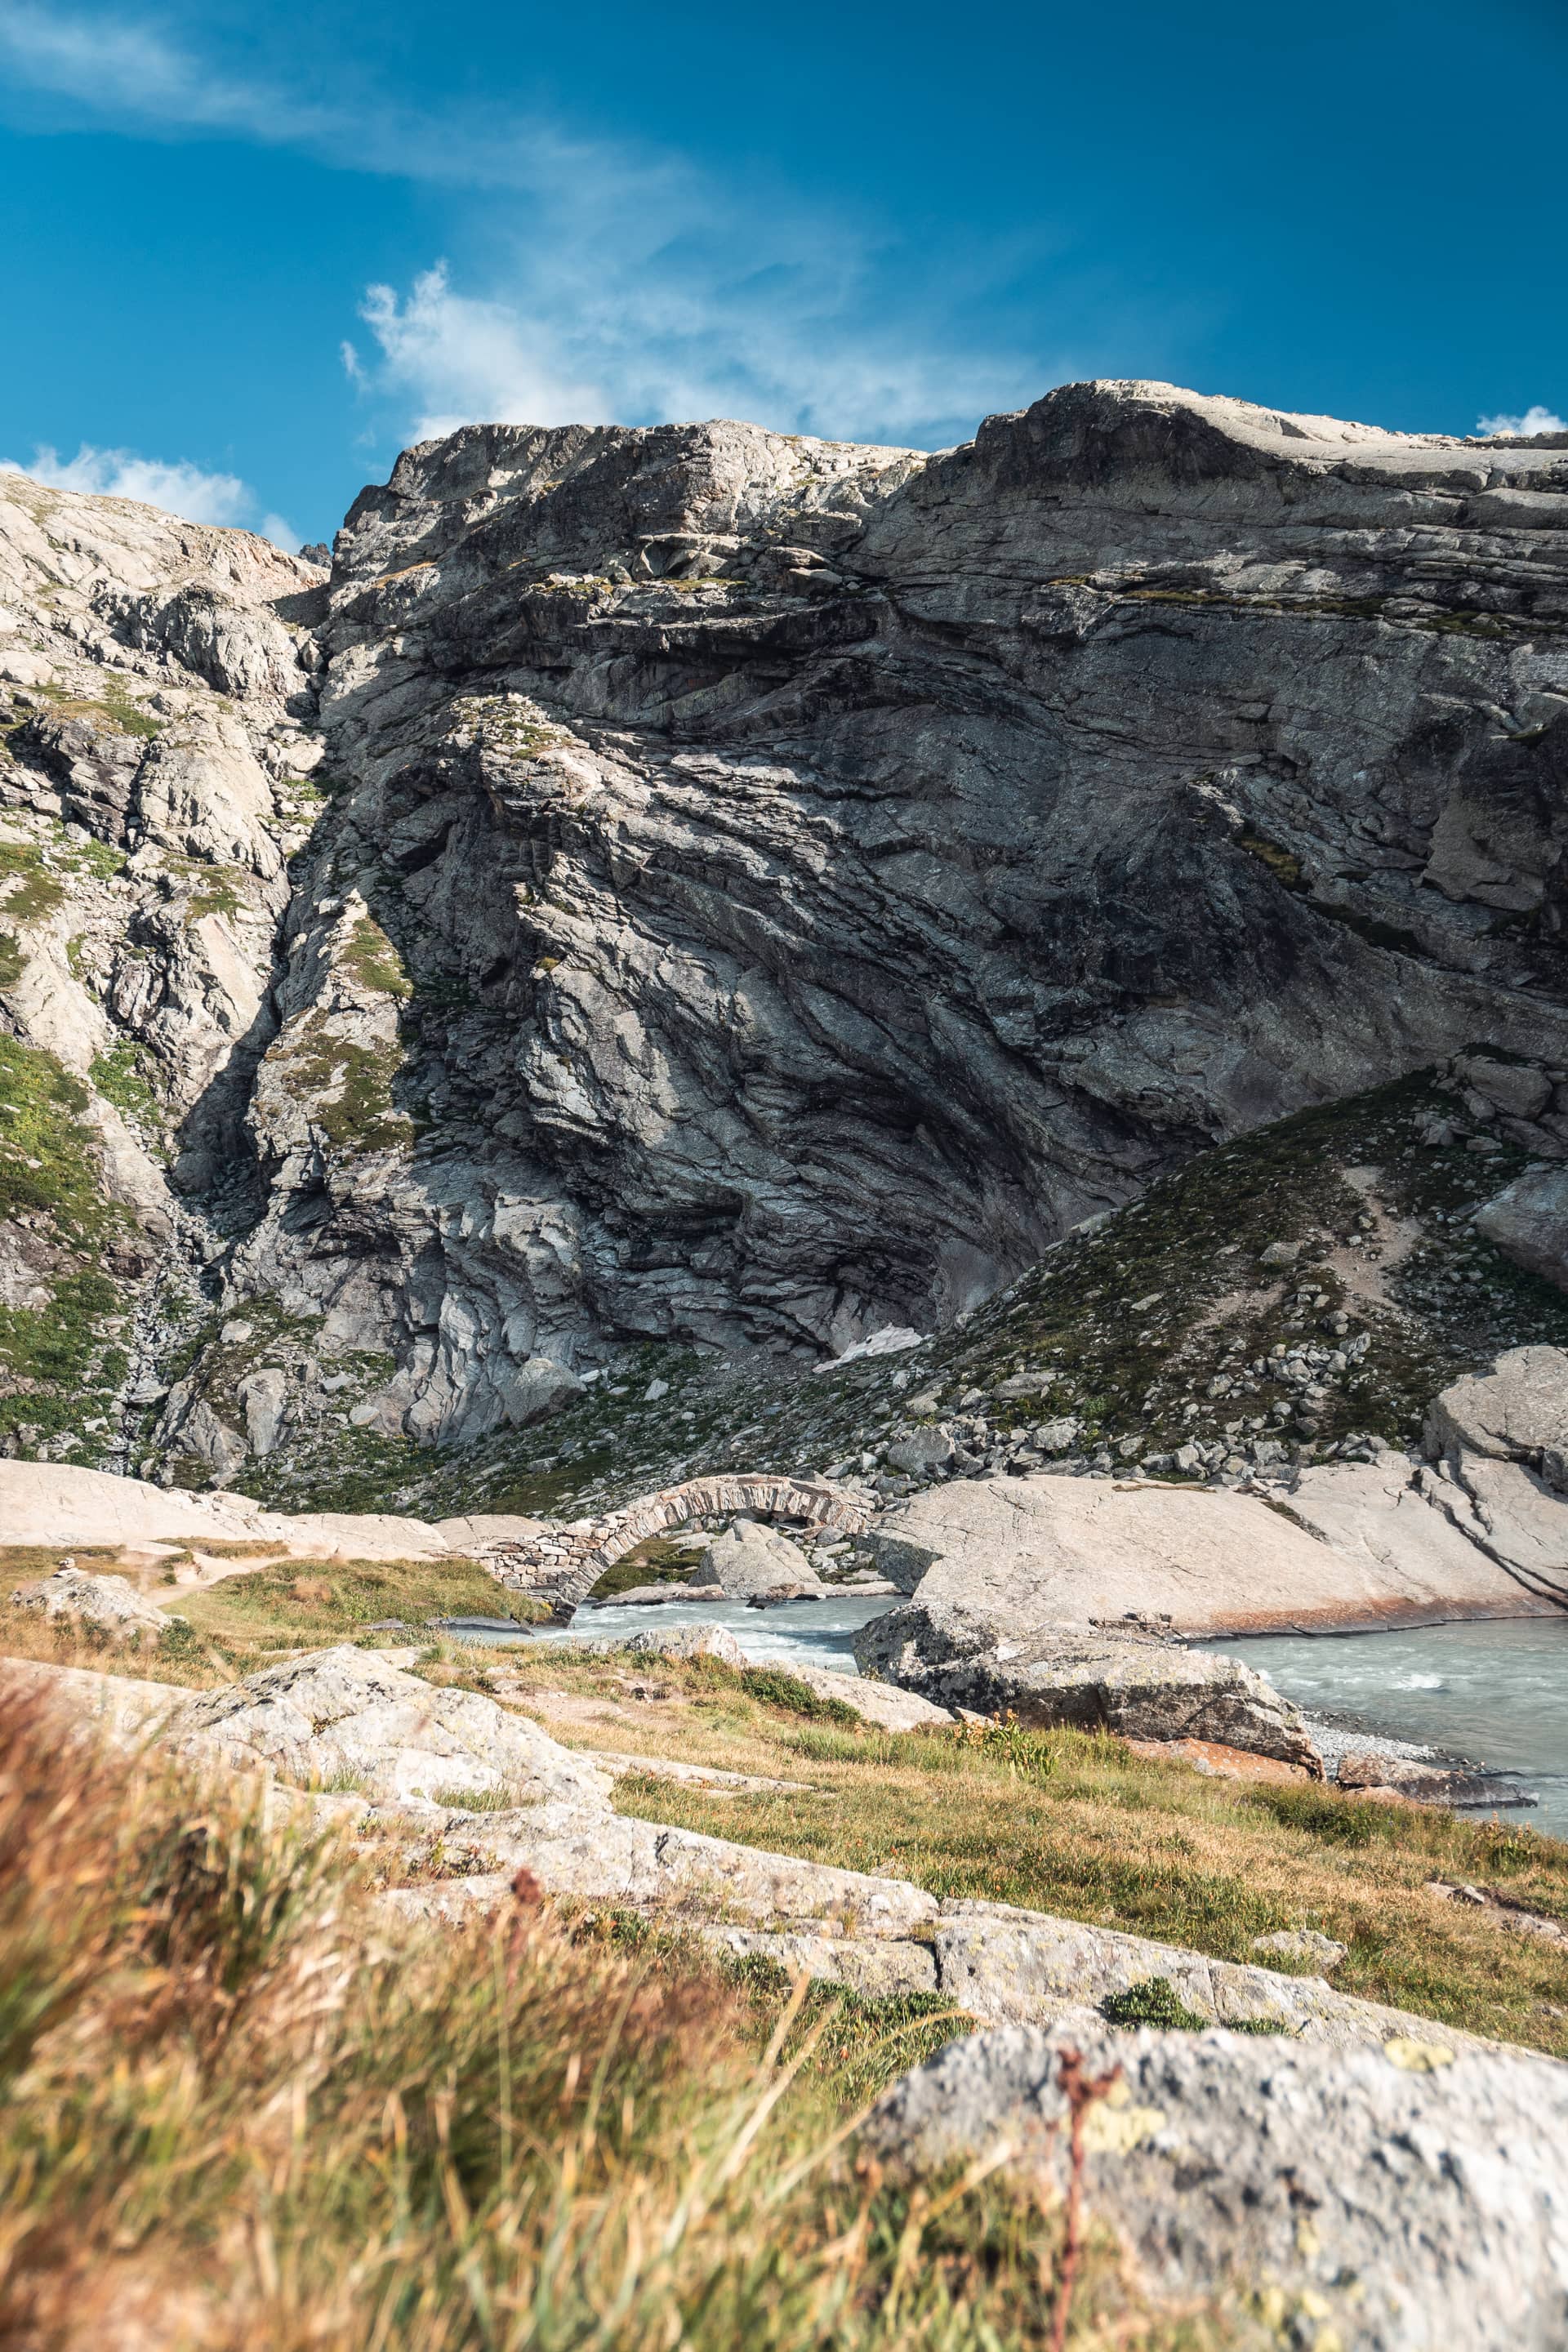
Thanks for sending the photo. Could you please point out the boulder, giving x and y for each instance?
(1516, 1412)
(1301, 1943)
(680, 1642)
(1402, 2198)
(107, 1604)
(264, 1397)
(754, 1562)
(883, 1704)
(1528, 1222)
(922, 1454)
(959, 1652)
(344, 1717)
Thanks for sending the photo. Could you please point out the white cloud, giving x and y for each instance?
(112, 65)
(1534, 420)
(460, 360)
(633, 315)
(178, 486)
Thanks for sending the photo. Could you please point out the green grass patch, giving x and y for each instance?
(29, 891)
(370, 958)
(119, 1075)
(312, 1603)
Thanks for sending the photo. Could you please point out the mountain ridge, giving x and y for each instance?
(695, 885)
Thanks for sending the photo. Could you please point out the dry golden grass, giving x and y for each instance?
(254, 1617)
(239, 2114)
(1075, 1826)
(1084, 1828)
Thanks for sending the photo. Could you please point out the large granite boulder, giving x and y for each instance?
(753, 1562)
(1048, 1674)
(1402, 2198)
(1516, 1412)
(105, 1604)
(1528, 1222)
(345, 1718)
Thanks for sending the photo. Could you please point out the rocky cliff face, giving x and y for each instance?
(763, 889)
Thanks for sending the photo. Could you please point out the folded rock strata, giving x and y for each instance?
(705, 935)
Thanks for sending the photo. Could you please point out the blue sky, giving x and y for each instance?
(246, 254)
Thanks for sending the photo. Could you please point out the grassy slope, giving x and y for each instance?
(61, 1361)
(1055, 1823)
(1084, 1828)
(252, 1617)
(240, 2111)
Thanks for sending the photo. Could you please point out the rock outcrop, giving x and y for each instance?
(1402, 2199)
(961, 1653)
(105, 1605)
(1199, 1561)
(697, 929)
(722, 720)
(1529, 1221)
(345, 1719)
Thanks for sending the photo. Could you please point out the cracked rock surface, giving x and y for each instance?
(1393, 2199)
(697, 884)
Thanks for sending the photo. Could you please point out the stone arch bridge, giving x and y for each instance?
(565, 1559)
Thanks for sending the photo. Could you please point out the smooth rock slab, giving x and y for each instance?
(1026, 1552)
(1516, 1412)
(1007, 1965)
(1382, 2200)
(878, 1967)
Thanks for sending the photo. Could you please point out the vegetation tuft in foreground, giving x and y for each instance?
(243, 2109)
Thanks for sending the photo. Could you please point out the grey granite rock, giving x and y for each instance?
(752, 1562)
(1301, 1944)
(1529, 1221)
(346, 1717)
(679, 1641)
(1516, 1412)
(1402, 2199)
(108, 1603)
(1048, 1674)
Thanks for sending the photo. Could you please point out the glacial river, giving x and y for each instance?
(1493, 1694)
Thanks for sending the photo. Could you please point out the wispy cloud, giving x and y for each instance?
(178, 486)
(599, 280)
(671, 336)
(1534, 421)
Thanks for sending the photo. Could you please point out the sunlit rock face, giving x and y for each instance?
(769, 888)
